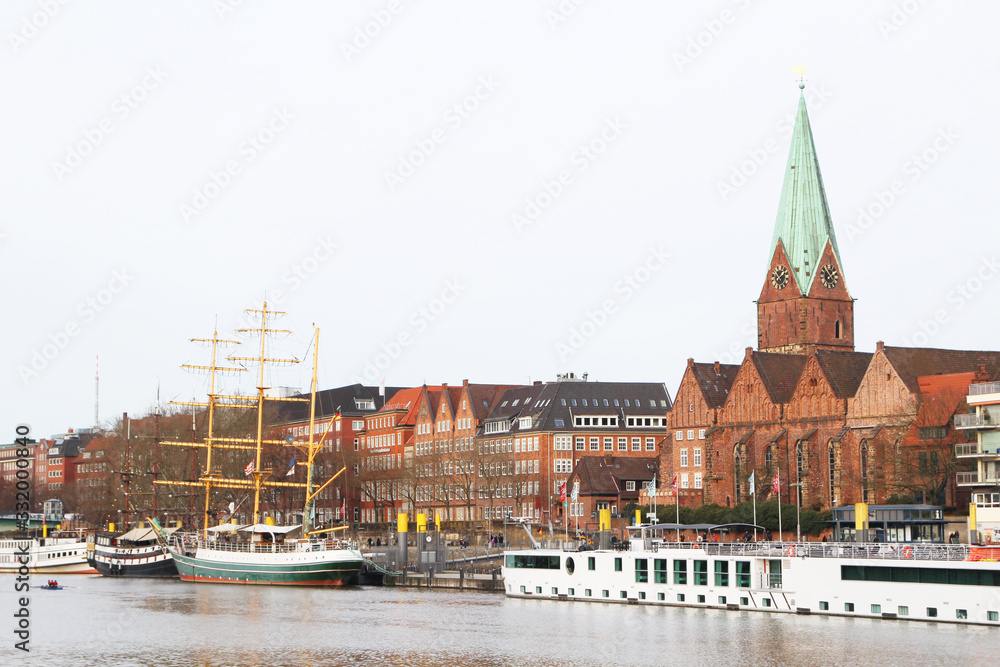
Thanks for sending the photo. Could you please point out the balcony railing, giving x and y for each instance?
(974, 421)
(984, 388)
(967, 449)
(974, 479)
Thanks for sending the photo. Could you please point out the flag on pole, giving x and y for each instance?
(249, 469)
(336, 417)
(232, 507)
(675, 485)
(576, 491)
(343, 509)
(562, 493)
(751, 484)
(776, 485)
(381, 388)
(291, 468)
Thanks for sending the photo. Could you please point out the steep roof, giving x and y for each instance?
(844, 370)
(485, 397)
(547, 403)
(601, 475)
(779, 373)
(715, 380)
(329, 401)
(804, 224)
(408, 400)
(911, 363)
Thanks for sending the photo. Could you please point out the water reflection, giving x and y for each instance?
(145, 622)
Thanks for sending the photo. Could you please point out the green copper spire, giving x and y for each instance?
(804, 222)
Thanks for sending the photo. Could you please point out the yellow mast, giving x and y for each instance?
(212, 401)
(212, 480)
(261, 360)
(312, 428)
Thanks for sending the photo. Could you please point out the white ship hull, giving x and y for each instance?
(48, 555)
(916, 582)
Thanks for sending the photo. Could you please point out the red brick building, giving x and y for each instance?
(608, 482)
(341, 447)
(834, 425)
(445, 471)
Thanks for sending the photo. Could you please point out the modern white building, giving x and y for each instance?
(984, 398)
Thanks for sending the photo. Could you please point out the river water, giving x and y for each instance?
(101, 621)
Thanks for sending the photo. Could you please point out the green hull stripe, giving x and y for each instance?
(290, 573)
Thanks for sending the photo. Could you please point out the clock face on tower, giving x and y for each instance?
(829, 276)
(779, 276)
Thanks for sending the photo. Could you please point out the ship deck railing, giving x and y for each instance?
(866, 550)
(291, 546)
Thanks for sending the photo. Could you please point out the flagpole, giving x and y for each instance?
(677, 509)
(777, 479)
(753, 495)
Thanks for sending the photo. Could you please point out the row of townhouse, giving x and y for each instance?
(473, 452)
(479, 452)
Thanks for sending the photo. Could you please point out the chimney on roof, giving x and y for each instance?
(465, 383)
(749, 353)
(879, 346)
(536, 383)
(718, 370)
(444, 385)
(690, 362)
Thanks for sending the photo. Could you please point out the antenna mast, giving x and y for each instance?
(97, 391)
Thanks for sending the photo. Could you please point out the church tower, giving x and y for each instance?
(804, 301)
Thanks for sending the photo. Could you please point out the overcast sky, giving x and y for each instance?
(499, 191)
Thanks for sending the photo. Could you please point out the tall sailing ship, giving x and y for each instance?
(261, 552)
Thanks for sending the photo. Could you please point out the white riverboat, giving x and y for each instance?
(918, 581)
(49, 555)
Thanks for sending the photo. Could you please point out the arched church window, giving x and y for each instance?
(864, 471)
(832, 465)
(799, 469)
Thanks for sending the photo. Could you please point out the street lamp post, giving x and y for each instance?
(798, 500)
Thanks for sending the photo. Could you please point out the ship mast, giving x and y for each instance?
(212, 479)
(259, 476)
(213, 400)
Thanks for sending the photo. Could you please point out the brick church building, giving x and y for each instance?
(836, 426)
